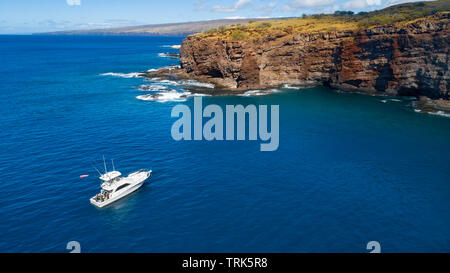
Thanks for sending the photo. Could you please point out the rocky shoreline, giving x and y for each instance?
(422, 104)
(396, 60)
(176, 74)
(429, 106)
(408, 60)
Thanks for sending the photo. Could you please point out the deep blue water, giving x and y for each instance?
(349, 169)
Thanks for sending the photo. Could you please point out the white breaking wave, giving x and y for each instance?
(183, 82)
(123, 75)
(138, 74)
(258, 92)
(252, 93)
(165, 96)
(170, 96)
(200, 95)
(154, 88)
(392, 100)
(164, 67)
(438, 113)
(288, 86)
(153, 79)
(168, 55)
(196, 84)
(168, 82)
(172, 46)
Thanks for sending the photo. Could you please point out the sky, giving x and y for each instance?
(31, 16)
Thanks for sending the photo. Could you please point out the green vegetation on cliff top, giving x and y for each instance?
(339, 21)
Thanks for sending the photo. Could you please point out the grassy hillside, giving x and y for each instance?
(403, 12)
(339, 21)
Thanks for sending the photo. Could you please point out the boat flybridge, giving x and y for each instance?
(114, 187)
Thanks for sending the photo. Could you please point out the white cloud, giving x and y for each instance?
(266, 9)
(373, 2)
(360, 4)
(73, 2)
(237, 6)
(199, 5)
(234, 17)
(395, 2)
(308, 4)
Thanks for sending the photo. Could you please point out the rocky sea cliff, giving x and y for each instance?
(410, 59)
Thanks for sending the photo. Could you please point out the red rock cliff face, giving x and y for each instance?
(408, 60)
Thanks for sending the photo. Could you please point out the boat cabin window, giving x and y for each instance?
(122, 186)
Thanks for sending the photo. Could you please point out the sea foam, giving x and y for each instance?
(172, 46)
(258, 92)
(288, 86)
(123, 75)
(438, 113)
(196, 84)
(165, 96)
(154, 88)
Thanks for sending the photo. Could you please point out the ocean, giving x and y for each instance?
(349, 169)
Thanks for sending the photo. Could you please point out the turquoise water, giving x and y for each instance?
(349, 168)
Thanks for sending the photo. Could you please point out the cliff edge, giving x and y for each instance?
(398, 59)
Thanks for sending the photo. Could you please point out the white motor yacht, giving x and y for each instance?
(114, 187)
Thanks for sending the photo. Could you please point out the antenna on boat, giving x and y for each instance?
(104, 163)
(96, 169)
(112, 161)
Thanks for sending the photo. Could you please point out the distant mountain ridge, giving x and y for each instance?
(173, 29)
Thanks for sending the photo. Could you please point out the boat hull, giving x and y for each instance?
(114, 199)
(121, 195)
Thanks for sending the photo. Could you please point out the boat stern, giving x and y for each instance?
(96, 203)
